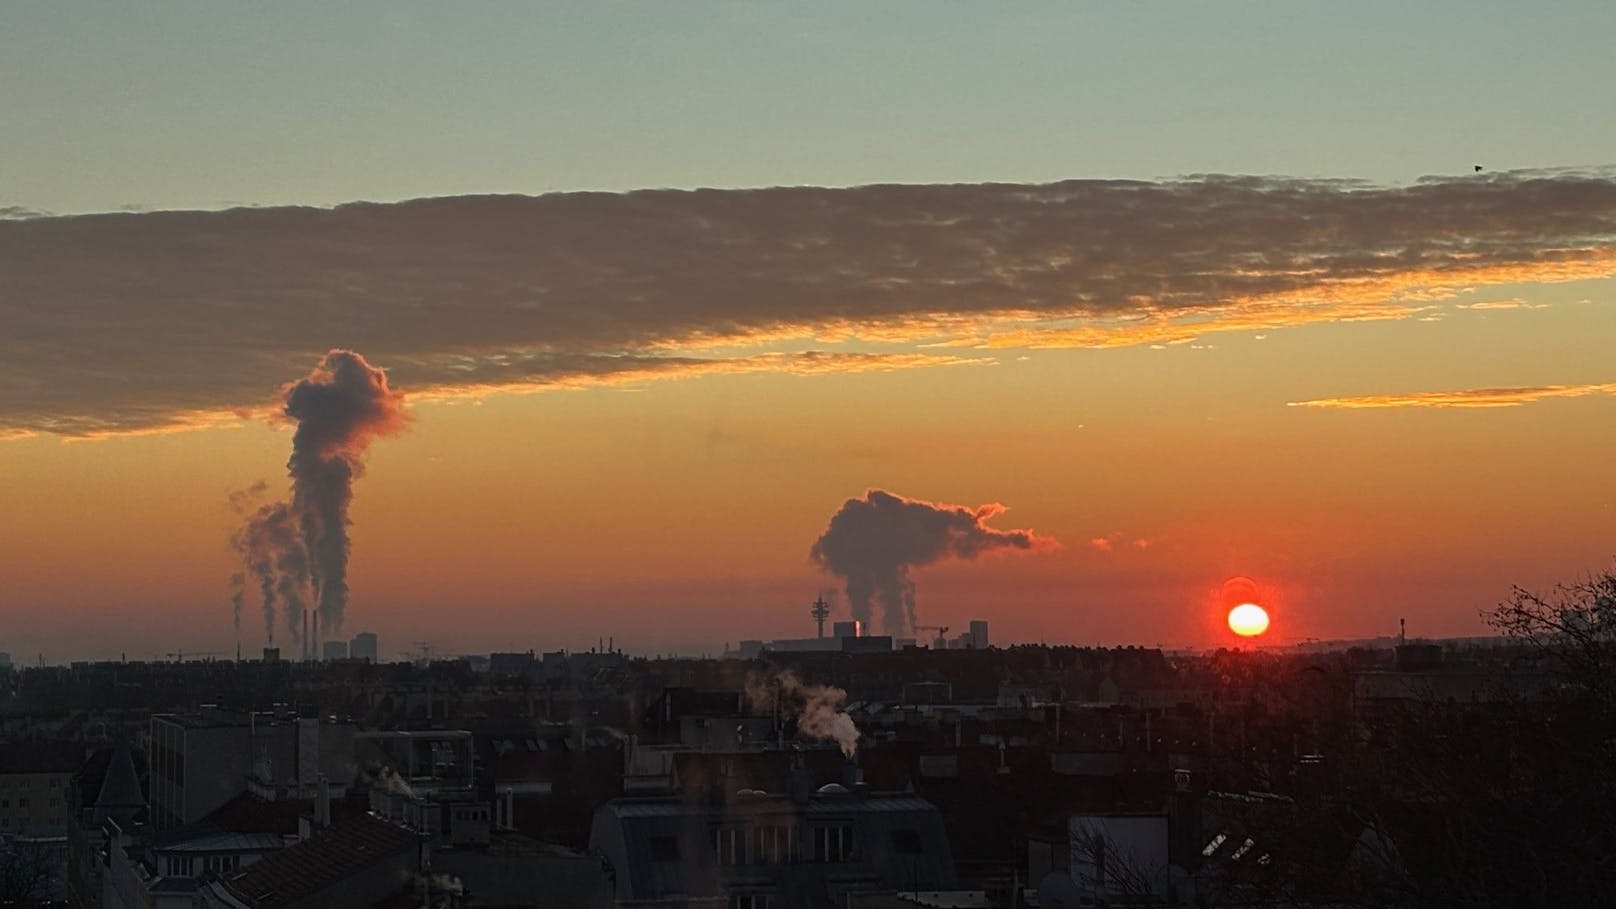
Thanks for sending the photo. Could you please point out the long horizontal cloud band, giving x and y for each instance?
(1462, 398)
(126, 322)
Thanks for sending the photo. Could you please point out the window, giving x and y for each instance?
(221, 864)
(773, 844)
(833, 843)
(664, 849)
(905, 841)
(22, 803)
(729, 845)
(752, 901)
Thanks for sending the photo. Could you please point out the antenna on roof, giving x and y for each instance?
(820, 611)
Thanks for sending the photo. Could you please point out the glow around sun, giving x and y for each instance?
(1248, 620)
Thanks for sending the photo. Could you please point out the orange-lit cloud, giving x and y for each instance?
(524, 374)
(1109, 544)
(1511, 303)
(171, 315)
(1470, 397)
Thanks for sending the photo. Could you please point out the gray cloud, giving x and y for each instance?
(130, 322)
(873, 542)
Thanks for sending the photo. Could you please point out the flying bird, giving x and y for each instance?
(1477, 167)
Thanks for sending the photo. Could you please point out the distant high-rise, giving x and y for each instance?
(334, 650)
(363, 647)
(979, 634)
(272, 654)
(849, 629)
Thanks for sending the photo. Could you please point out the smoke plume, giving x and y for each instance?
(872, 543)
(821, 710)
(297, 550)
(238, 593)
(272, 548)
(392, 782)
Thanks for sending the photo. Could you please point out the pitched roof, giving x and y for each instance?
(316, 863)
(120, 794)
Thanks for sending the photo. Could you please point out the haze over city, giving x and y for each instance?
(1128, 303)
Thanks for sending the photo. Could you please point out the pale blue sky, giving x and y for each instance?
(209, 104)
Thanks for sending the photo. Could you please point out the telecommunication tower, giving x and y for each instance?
(820, 612)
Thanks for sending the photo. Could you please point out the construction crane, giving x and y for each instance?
(940, 643)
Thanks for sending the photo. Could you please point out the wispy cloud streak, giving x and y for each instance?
(1469, 397)
(140, 321)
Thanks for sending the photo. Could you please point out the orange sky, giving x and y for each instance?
(677, 515)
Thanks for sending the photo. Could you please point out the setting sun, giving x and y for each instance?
(1248, 620)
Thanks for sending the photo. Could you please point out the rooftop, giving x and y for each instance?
(310, 866)
(821, 803)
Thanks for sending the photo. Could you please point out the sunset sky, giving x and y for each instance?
(1193, 290)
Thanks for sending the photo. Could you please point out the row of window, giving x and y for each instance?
(778, 845)
(775, 845)
(27, 782)
(191, 866)
(23, 803)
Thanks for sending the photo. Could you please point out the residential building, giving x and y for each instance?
(810, 848)
(199, 761)
(33, 788)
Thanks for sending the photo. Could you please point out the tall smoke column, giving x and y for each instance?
(238, 593)
(340, 408)
(872, 543)
(272, 548)
(297, 551)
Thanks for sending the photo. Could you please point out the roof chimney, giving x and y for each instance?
(322, 802)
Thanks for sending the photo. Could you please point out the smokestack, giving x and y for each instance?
(314, 642)
(305, 640)
(872, 543)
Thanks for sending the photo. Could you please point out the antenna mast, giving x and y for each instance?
(820, 612)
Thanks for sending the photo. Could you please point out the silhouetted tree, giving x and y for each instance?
(1574, 630)
(1512, 802)
(24, 871)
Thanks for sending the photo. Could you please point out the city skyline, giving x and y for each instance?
(663, 293)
